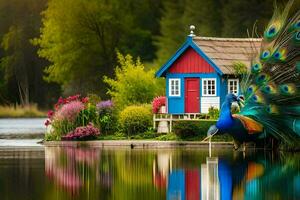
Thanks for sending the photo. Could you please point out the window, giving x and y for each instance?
(233, 86)
(174, 87)
(209, 87)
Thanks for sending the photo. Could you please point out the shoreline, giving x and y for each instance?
(136, 144)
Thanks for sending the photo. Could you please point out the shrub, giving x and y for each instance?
(107, 119)
(135, 119)
(213, 113)
(157, 103)
(69, 113)
(185, 129)
(132, 83)
(82, 133)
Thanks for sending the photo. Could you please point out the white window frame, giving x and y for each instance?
(170, 87)
(237, 86)
(203, 89)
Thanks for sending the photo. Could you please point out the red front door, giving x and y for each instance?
(192, 93)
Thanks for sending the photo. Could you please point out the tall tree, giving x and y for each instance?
(21, 68)
(240, 16)
(80, 39)
(205, 15)
(172, 31)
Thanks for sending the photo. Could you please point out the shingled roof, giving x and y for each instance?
(225, 51)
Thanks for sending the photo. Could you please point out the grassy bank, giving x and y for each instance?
(13, 111)
(164, 137)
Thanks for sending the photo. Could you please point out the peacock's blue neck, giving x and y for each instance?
(225, 120)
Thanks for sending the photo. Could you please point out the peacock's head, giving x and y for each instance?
(232, 98)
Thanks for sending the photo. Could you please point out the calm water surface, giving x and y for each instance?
(92, 173)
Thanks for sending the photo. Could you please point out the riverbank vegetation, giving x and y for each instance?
(17, 111)
(128, 115)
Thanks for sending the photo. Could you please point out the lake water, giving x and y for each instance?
(52, 173)
(22, 128)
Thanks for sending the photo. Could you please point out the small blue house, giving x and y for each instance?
(200, 74)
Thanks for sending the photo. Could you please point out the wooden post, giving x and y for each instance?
(171, 118)
(154, 124)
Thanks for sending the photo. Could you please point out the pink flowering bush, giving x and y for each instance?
(69, 111)
(82, 133)
(71, 119)
(157, 103)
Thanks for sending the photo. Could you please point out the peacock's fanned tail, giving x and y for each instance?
(272, 87)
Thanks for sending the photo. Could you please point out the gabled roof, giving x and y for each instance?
(220, 53)
(225, 51)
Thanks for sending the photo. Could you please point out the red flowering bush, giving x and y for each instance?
(157, 103)
(82, 133)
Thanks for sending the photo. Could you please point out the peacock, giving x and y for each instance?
(270, 100)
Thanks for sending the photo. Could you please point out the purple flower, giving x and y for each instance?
(104, 105)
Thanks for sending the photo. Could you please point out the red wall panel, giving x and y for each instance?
(191, 62)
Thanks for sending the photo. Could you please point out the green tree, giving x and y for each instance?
(80, 38)
(132, 85)
(240, 16)
(205, 15)
(172, 33)
(21, 69)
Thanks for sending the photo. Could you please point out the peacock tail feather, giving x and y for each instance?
(271, 88)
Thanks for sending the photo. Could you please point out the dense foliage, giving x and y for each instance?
(213, 113)
(75, 42)
(185, 129)
(132, 83)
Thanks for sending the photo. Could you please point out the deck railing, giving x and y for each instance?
(170, 118)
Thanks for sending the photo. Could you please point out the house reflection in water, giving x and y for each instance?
(203, 183)
(213, 181)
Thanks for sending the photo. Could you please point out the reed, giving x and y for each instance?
(17, 111)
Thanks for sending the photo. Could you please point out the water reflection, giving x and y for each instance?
(90, 173)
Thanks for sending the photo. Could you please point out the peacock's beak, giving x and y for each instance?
(240, 101)
(212, 130)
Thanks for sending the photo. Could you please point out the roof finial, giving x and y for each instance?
(192, 28)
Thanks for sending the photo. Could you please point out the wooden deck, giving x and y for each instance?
(170, 118)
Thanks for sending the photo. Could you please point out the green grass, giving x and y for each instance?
(163, 137)
(12, 111)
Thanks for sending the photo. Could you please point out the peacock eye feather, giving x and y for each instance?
(297, 25)
(298, 35)
(272, 31)
(256, 68)
(280, 55)
(265, 55)
(257, 98)
(262, 78)
(287, 89)
(297, 38)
